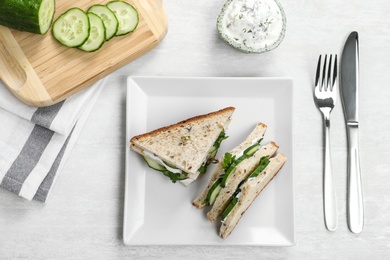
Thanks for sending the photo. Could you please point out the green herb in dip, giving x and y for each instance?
(252, 25)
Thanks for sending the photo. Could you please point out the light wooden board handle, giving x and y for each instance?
(17, 73)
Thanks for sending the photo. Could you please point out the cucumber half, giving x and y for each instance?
(97, 34)
(72, 28)
(127, 16)
(33, 16)
(109, 19)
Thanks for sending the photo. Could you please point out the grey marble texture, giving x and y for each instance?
(83, 217)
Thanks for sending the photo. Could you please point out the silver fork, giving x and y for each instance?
(325, 98)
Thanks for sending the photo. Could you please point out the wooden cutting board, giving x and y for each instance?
(41, 72)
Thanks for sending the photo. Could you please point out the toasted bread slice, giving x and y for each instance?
(241, 172)
(249, 192)
(257, 133)
(185, 145)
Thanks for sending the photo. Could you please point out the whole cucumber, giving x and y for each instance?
(33, 16)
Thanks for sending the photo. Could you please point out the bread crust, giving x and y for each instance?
(134, 139)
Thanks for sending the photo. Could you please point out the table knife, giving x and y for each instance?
(349, 90)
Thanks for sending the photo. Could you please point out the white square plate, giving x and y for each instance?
(158, 212)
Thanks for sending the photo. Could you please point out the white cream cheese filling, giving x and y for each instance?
(255, 24)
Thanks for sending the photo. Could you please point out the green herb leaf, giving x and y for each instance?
(234, 162)
(228, 160)
(203, 168)
(222, 136)
(232, 166)
(264, 161)
(175, 176)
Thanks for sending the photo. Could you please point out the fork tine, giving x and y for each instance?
(323, 83)
(329, 83)
(334, 71)
(318, 71)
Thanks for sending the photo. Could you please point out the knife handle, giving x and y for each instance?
(355, 194)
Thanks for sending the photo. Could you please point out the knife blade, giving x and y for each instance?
(349, 90)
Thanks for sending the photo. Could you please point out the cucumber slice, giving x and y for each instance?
(264, 161)
(161, 168)
(72, 28)
(170, 165)
(213, 192)
(248, 152)
(233, 201)
(97, 34)
(231, 168)
(213, 152)
(109, 19)
(33, 16)
(46, 14)
(251, 150)
(154, 164)
(127, 16)
(229, 208)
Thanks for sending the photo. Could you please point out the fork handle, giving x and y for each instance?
(330, 206)
(355, 194)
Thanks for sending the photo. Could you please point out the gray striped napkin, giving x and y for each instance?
(35, 142)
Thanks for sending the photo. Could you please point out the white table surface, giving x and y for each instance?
(84, 215)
